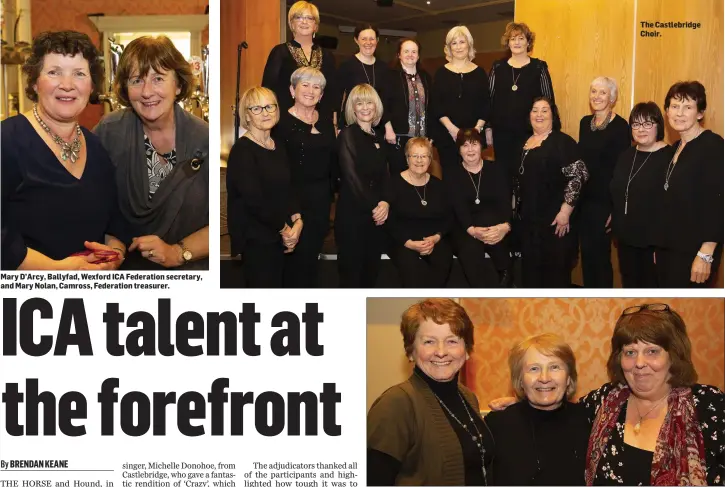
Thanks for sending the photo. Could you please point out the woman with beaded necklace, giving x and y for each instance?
(58, 190)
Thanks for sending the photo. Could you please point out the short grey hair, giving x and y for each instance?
(609, 83)
(310, 74)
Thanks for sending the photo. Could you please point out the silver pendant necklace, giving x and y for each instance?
(476, 187)
(516, 79)
(477, 437)
(423, 201)
(671, 168)
(366, 73)
(523, 157)
(631, 177)
(68, 150)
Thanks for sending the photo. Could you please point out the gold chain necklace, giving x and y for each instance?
(638, 424)
(68, 150)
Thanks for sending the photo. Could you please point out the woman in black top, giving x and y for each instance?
(483, 214)
(304, 20)
(263, 211)
(635, 190)
(514, 83)
(603, 136)
(410, 91)
(460, 95)
(362, 208)
(693, 194)
(365, 68)
(420, 221)
(548, 182)
(312, 153)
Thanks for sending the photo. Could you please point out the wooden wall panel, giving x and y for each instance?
(581, 40)
(586, 324)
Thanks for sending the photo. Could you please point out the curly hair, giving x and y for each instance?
(67, 43)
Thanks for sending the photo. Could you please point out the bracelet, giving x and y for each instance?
(705, 257)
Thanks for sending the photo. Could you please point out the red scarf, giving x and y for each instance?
(679, 456)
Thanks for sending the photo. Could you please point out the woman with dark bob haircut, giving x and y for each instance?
(428, 430)
(59, 206)
(547, 185)
(636, 192)
(482, 205)
(692, 194)
(161, 156)
(653, 424)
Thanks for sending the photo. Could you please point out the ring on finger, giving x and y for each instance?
(151, 253)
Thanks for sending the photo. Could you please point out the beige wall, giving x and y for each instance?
(486, 37)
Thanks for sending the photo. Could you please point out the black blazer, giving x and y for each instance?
(399, 99)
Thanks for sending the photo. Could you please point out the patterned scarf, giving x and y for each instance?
(679, 456)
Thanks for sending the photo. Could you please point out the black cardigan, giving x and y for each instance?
(399, 100)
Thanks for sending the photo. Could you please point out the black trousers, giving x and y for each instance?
(480, 272)
(301, 268)
(636, 266)
(360, 244)
(596, 245)
(546, 260)
(506, 146)
(675, 267)
(263, 264)
(423, 271)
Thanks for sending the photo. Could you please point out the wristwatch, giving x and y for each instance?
(706, 257)
(185, 253)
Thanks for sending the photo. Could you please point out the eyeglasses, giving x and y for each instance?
(647, 125)
(271, 108)
(657, 307)
(308, 18)
(419, 157)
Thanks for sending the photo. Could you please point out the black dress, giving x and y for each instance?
(599, 149)
(463, 98)
(634, 230)
(694, 200)
(409, 219)
(402, 113)
(548, 176)
(364, 183)
(312, 158)
(285, 58)
(536, 447)
(510, 109)
(494, 208)
(44, 207)
(354, 72)
(261, 200)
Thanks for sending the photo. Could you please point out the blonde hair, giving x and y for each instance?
(459, 31)
(362, 93)
(253, 96)
(310, 74)
(300, 7)
(419, 142)
(548, 344)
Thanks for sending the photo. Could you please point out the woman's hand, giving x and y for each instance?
(493, 235)
(453, 131)
(700, 270)
(502, 403)
(291, 236)
(607, 225)
(104, 252)
(562, 220)
(489, 136)
(82, 263)
(156, 250)
(380, 212)
(390, 134)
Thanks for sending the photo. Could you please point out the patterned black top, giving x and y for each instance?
(159, 165)
(710, 408)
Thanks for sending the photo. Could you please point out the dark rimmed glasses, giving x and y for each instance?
(271, 108)
(657, 307)
(646, 125)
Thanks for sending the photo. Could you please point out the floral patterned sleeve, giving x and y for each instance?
(594, 399)
(710, 407)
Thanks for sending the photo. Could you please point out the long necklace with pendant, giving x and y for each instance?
(476, 187)
(638, 424)
(366, 73)
(515, 86)
(631, 177)
(68, 150)
(423, 201)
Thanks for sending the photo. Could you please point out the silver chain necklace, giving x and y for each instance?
(366, 73)
(68, 150)
(477, 438)
(523, 157)
(631, 177)
(593, 125)
(423, 201)
(263, 144)
(476, 187)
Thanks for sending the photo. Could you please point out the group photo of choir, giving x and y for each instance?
(105, 139)
(465, 176)
(545, 391)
